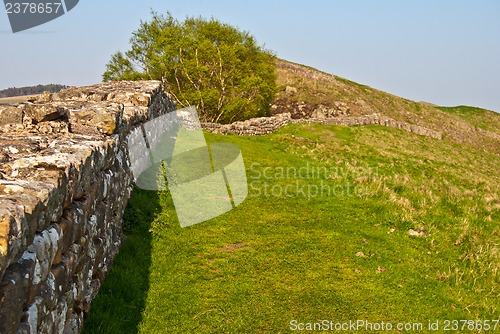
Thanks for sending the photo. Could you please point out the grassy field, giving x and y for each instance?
(340, 224)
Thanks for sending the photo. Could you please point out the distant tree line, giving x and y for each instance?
(31, 90)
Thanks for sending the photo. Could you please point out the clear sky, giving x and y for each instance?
(441, 51)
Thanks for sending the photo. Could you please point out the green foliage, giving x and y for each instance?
(201, 62)
(120, 68)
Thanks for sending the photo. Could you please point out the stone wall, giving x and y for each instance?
(251, 127)
(375, 119)
(265, 125)
(64, 182)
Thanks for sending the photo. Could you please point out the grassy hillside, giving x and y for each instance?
(405, 229)
(304, 90)
(341, 223)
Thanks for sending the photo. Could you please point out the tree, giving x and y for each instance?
(120, 68)
(206, 63)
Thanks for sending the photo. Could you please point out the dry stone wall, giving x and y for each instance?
(252, 127)
(64, 182)
(265, 125)
(375, 119)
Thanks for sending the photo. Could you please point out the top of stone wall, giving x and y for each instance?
(107, 108)
(129, 93)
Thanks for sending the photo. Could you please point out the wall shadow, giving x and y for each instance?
(121, 300)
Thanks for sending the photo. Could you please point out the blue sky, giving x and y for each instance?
(441, 51)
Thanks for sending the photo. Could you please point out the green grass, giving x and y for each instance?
(482, 118)
(339, 257)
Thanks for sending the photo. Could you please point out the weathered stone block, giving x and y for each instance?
(43, 112)
(73, 325)
(67, 227)
(49, 293)
(25, 267)
(30, 272)
(34, 314)
(106, 117)
(24, 328)
(60, 314)
(99, 251)
(61, 283)
(13, 234)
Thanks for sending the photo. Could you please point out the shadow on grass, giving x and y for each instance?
(118, 307)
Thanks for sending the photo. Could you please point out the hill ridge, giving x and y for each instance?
(308, 93)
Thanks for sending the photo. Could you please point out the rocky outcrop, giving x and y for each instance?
(64, 182)
(323, 112)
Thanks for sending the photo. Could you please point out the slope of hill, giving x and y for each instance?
(307, 92)
(481, 118)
